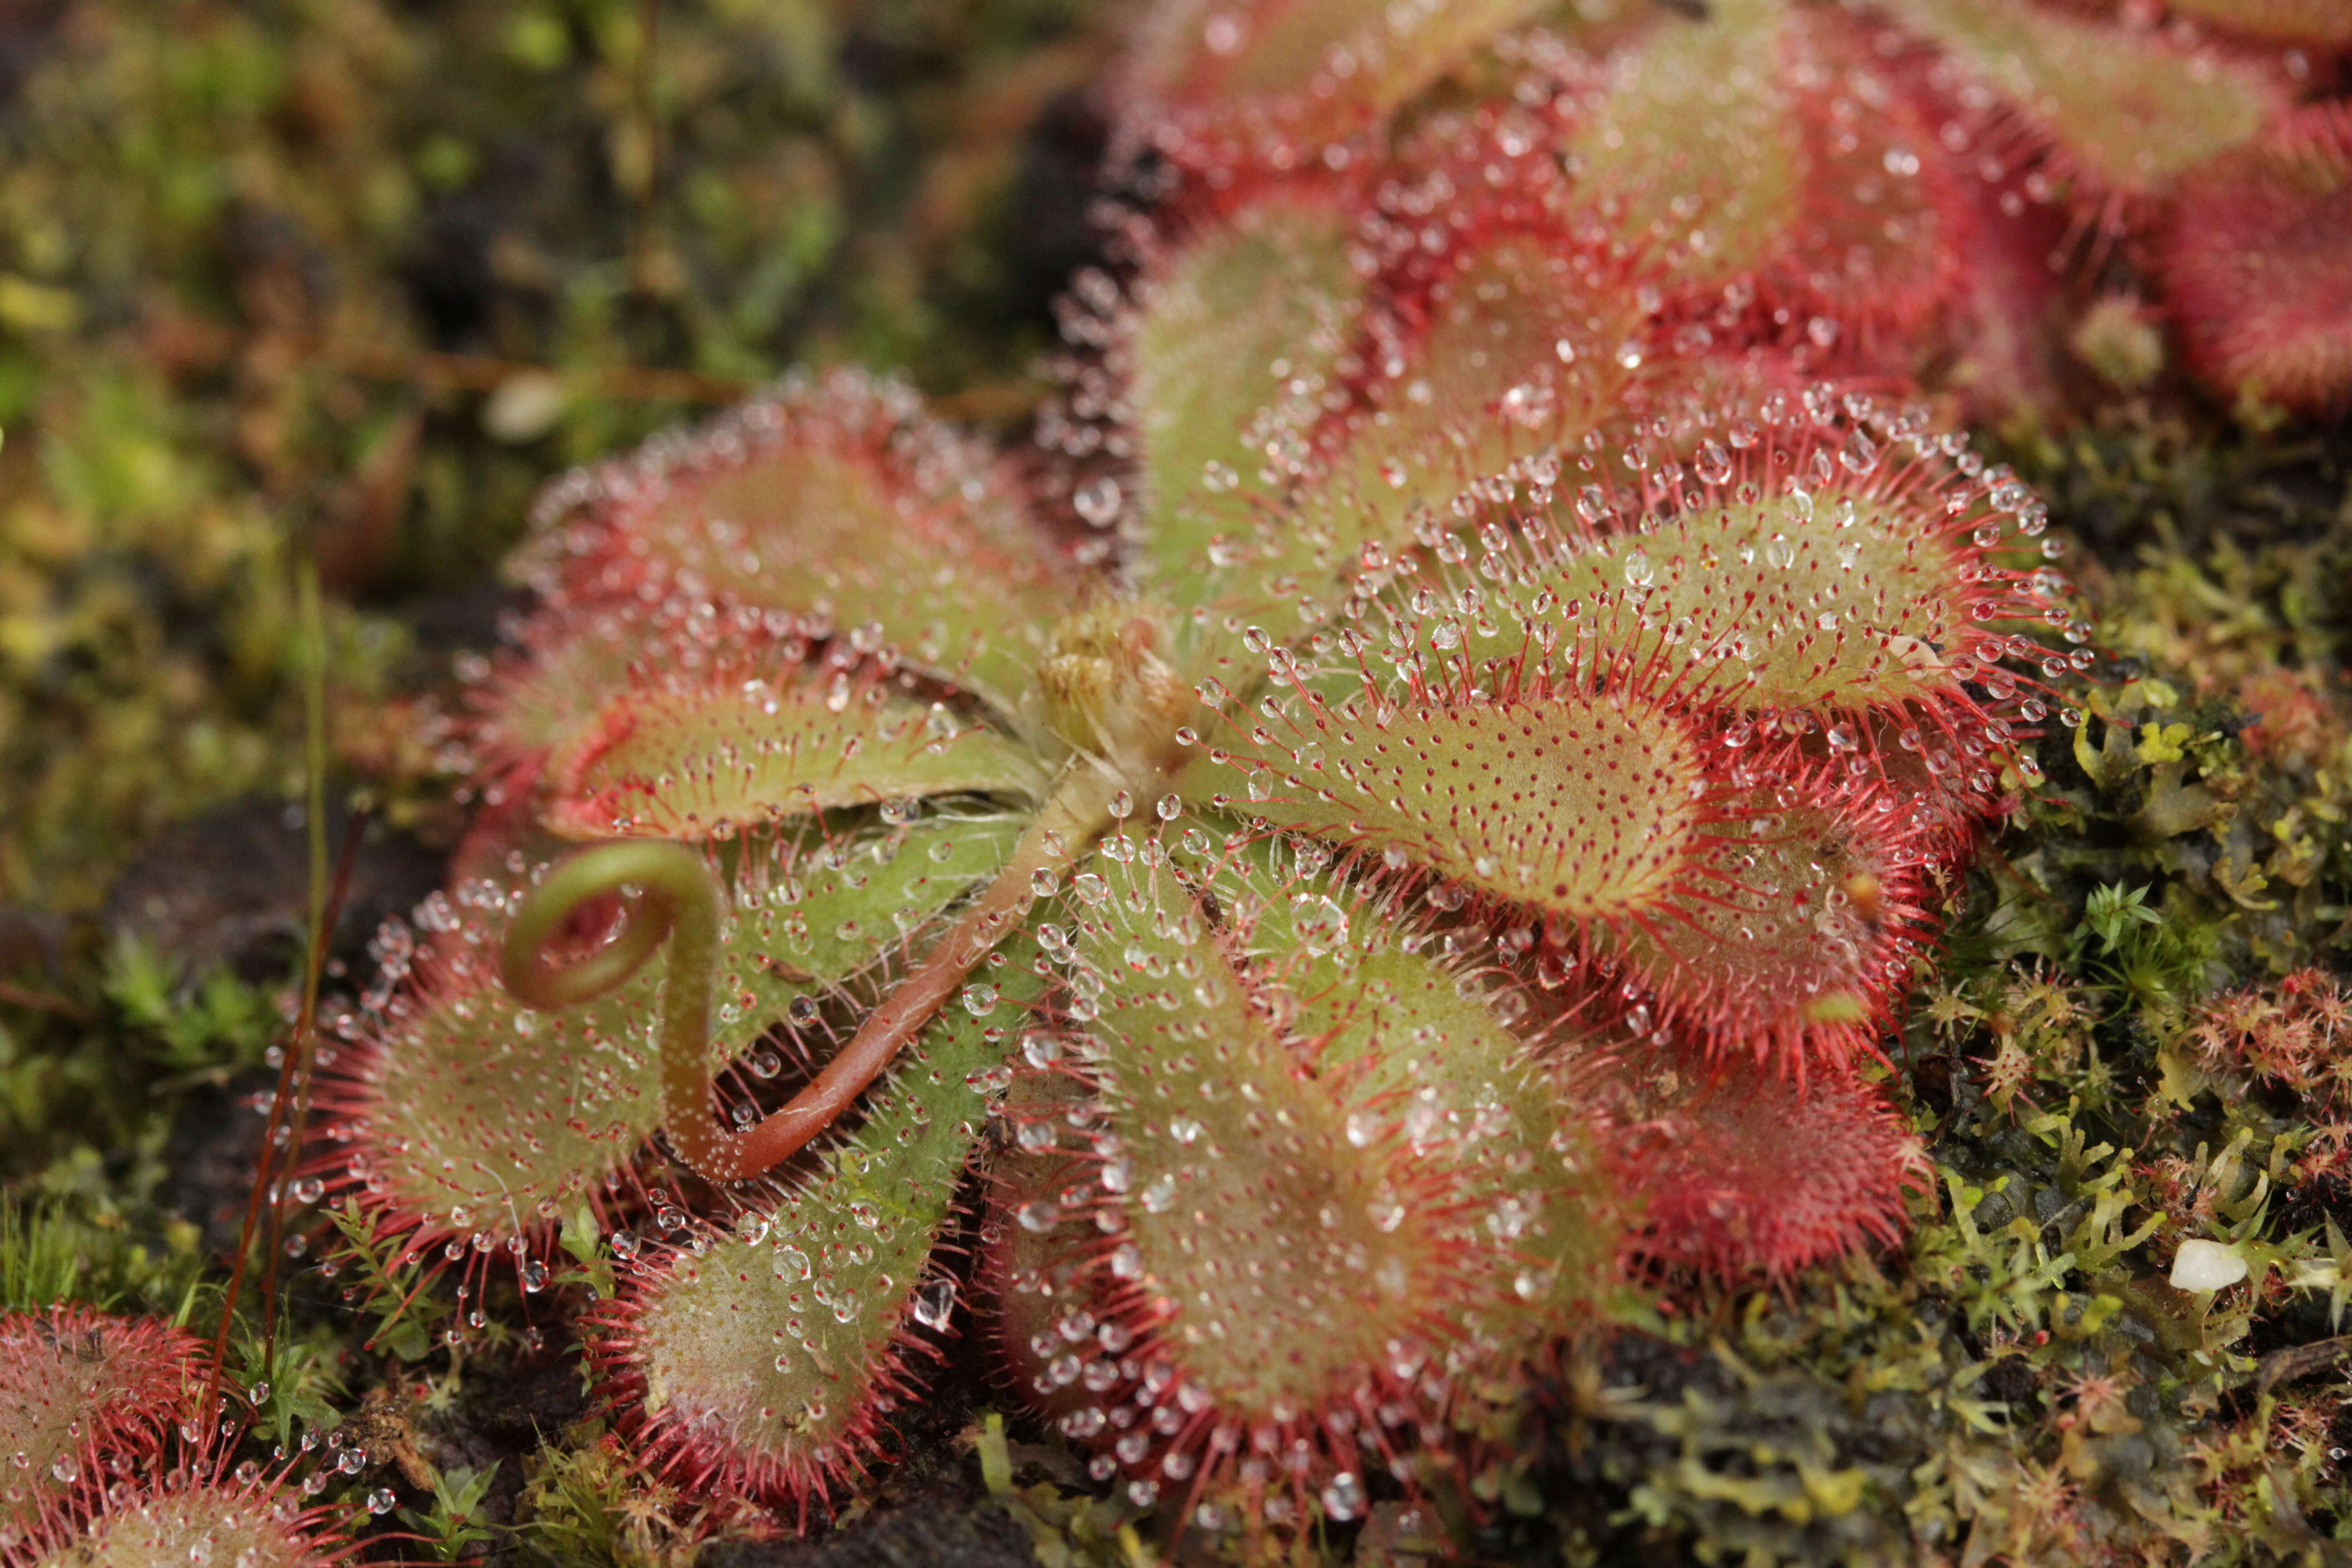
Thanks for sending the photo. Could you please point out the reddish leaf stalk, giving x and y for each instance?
(293, 1068)
(677, 902)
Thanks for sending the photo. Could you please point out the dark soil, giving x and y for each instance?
(215, 1147)
(231, 888)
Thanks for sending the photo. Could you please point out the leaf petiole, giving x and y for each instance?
(676, 901)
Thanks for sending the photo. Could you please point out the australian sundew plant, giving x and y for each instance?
(1396, 834)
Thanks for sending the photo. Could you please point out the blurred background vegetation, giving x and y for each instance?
(355, 277)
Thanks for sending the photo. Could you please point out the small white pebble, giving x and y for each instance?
(2206, 1265)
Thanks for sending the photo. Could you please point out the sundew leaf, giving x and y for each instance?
(1814, 569)
(541, 702)
(479, 1115)
(1584, 807)
(1781, 609)
(837, 501)
(1795, 176)
(2258, 259)
(1231, 355)
(1456, 1061)
(767, 1363)
(1249, 1293)
(2125, 108)
(1725, 1186)
(1711, 89)
(848, 893)
(1806, 913)
(1598, 823)
(746, 745)
(1284, 1248)
(1312, 68)
(1530, 344)
(1876, 240)
(2311, 21)
(1480, 386)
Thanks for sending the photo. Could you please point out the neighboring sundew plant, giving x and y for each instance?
(191, 1516)
(1923, 187)
(1428, 826)
(2295, 1032)
(84, 1394)
(2258, 262)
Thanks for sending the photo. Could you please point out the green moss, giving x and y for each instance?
(2021, 1376)
(232, 242)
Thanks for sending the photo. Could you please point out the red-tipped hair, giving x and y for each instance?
(1749, 1173)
